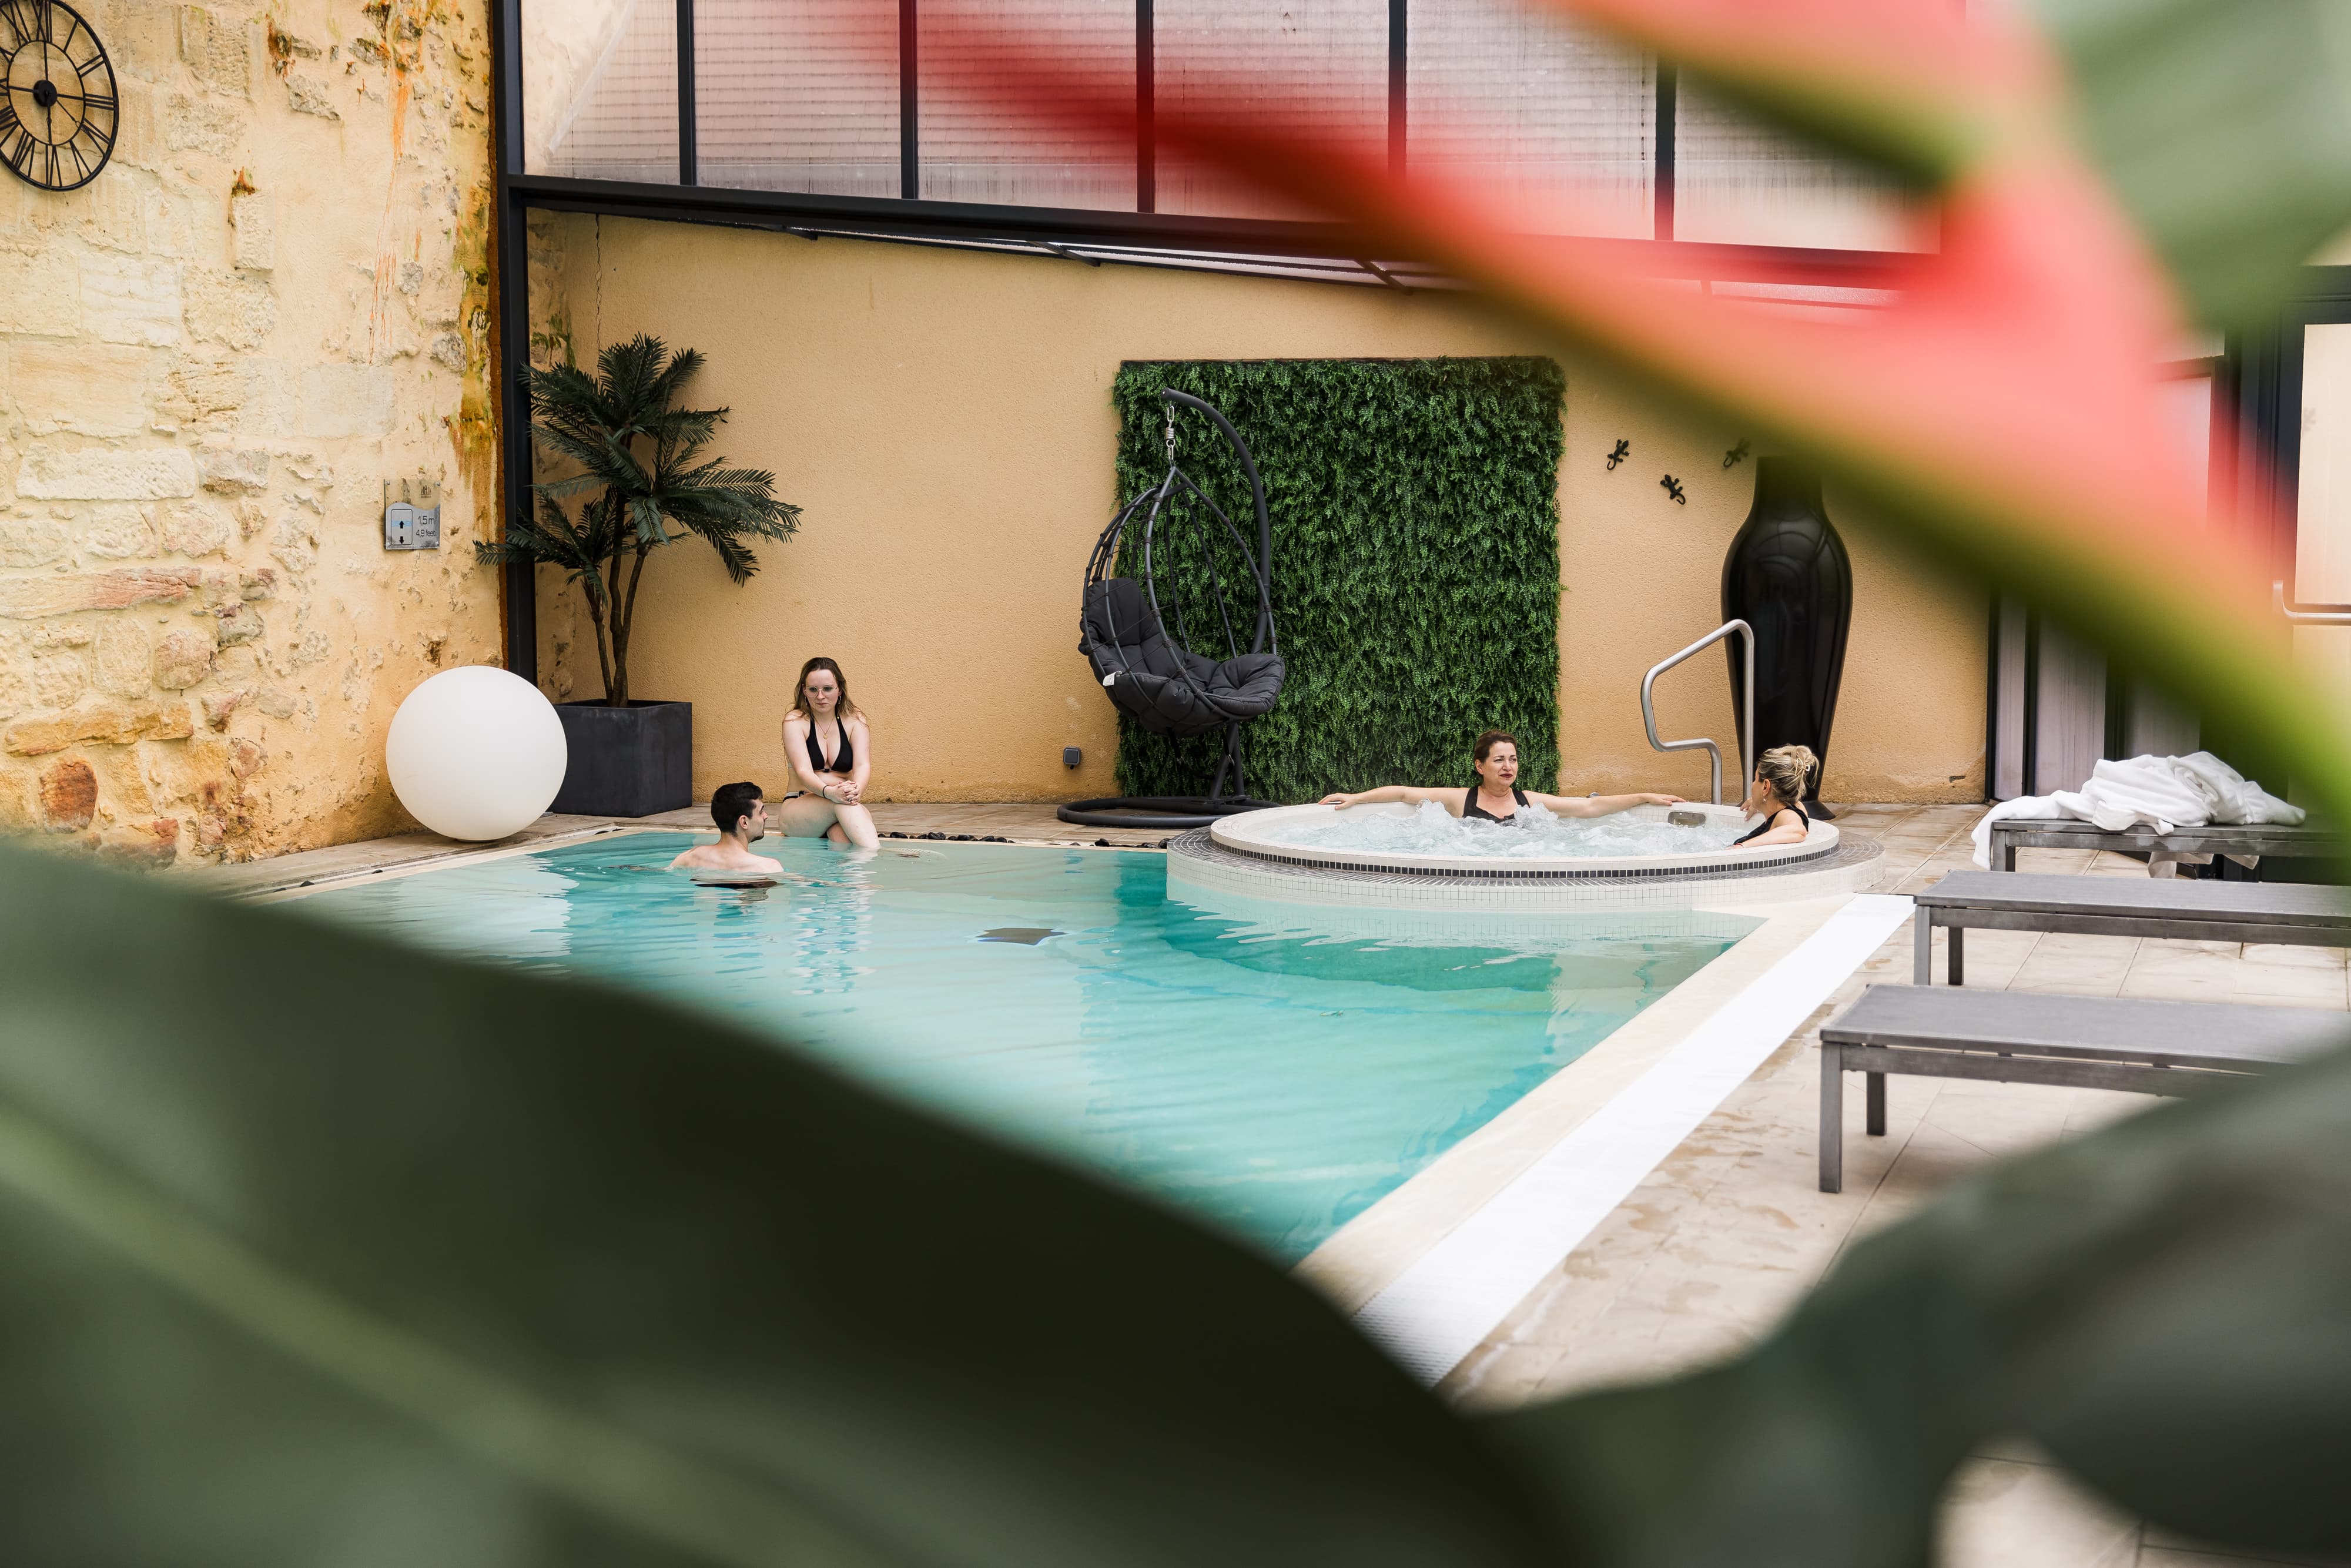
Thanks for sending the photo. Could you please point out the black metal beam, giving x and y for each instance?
(981, 221)
(1662, 185)
(689, 166)
(2029, 774)
(1146, 88)
(910, 139)
(513, 273)
(1398, 20)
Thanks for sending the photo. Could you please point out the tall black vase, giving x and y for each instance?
(1788, 577)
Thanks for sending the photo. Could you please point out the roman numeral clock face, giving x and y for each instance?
(57, 98)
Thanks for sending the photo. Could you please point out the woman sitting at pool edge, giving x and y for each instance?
(1495, 797)
(830, 752)
(1782, 776)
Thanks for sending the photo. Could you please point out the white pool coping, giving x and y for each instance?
(397, 870)
(1436, 1266)
(505, 850)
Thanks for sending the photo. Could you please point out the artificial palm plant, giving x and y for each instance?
(640, 467)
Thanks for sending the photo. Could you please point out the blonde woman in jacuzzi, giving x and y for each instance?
(1782, 776)
(1495, 797)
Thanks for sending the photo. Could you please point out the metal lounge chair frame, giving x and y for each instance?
(2024, 1037)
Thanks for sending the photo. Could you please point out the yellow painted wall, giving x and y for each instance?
(944, 419)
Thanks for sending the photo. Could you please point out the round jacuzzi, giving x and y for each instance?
(1420, 857)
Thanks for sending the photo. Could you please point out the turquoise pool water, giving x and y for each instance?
(1276, 1081)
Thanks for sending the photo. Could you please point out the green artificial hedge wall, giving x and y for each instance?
(1415, 563)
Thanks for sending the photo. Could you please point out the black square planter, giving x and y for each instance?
(626, 761)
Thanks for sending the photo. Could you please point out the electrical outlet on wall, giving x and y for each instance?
(412, 522)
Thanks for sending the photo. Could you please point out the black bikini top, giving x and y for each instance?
(1760, 828)
(1469, 807)
(846, 760)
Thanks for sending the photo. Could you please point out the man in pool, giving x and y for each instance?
(742, 817)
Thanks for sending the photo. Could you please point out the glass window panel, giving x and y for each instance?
(600, 89)
(797, 94)
(1736, 182)
(1316, 68)
(1556, 122)
(976, 148)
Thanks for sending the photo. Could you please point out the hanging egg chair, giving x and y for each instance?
(1170, 675)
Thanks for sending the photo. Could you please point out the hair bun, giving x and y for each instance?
(1789, 769)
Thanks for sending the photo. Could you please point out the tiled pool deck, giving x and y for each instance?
(1711, 1248)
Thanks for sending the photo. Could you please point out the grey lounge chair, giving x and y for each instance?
(2023, 1036)
(2293, 914)
(2013, 833)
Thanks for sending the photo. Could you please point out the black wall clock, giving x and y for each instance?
(57, 100)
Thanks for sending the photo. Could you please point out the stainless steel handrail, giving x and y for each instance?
(1713, 752)
(2333, 615)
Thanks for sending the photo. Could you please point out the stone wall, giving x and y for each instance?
(270, 312)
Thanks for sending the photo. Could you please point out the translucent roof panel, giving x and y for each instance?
(1313, 68)
(797, 94)
(1736, 182)
(600, 89)
(975, 147)
(1556, 124)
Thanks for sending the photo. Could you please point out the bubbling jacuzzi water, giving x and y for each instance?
(1534, 834)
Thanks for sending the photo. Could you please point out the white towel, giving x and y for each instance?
(2016, 806)
(2165, 792)
(2241, 800)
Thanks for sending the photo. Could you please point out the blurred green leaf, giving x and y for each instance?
(401, 1260)
(324, 1251)
(2225, 130)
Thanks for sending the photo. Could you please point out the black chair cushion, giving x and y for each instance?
(1143, 672)
(1247, 686)
(1117, 613)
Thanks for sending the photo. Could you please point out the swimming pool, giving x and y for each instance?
(1275, 1078)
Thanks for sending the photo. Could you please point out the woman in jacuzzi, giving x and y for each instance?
(1495, 797)
(1782, 776)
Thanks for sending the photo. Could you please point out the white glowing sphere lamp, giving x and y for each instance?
(475, 753)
